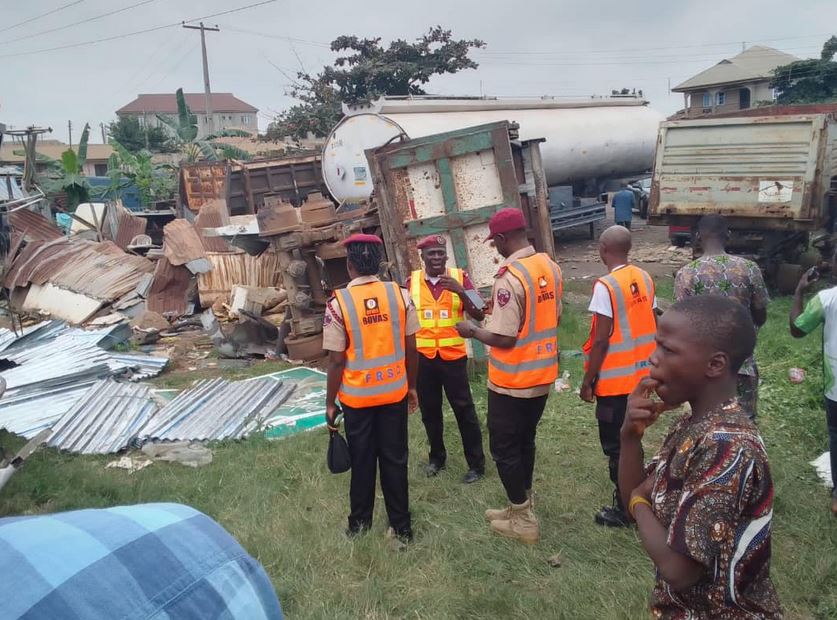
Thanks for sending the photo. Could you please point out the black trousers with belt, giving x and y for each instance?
(610, 413)
(377, 438)
(435, 375)
(512, 425)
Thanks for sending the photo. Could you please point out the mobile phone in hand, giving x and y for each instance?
(475, 299)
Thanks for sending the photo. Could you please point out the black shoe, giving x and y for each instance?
(610, 516)
(431, 469)
(356, 530)
(472, 476)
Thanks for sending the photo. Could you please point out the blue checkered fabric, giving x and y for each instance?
(151, 561)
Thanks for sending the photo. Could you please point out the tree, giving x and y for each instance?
(184, 133)
(135, 137)
(808, 81)
(66, 174)
(368, 72)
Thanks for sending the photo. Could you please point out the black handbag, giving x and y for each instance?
(337, 455)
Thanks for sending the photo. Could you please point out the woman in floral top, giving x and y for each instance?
(704, 506)
(719, 273)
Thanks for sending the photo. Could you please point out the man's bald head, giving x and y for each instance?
(614, 245)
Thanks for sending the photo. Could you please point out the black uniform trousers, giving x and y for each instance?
(610, 413)
(512, 424)
(377, 438)
(437, 374)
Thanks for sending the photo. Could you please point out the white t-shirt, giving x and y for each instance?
(821, 309)
(600, 302)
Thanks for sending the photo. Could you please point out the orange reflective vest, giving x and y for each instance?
(533, 360)
(438, 318)
(375, 318)
(632, 337)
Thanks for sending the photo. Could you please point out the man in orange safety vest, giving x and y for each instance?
(369, 330)
(522, 332)
(617, 352)
(442, 297)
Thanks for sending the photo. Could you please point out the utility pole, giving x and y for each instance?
(104, 135)
(29, 137)
(70, 132)
(207, 93)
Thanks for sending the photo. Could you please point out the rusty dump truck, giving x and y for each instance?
(774, 177)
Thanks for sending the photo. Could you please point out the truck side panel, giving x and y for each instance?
(769, 172)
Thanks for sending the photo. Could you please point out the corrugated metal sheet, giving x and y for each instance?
(169, 290)
(34, 226)
(60, 303)
(217, 409)
(182, 244)
(140, 366)
(127, 227)
(49, 376)
(105, 419)
(97, 270)
(214, 214)
(231, 269)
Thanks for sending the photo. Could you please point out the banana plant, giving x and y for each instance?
(185, 132)
(67, 174)
(154, 181)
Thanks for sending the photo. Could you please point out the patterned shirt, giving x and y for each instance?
(714, 494)
(727, 275)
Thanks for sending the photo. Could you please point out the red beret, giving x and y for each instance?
(505, 220)
(363, 238)
(431, 241)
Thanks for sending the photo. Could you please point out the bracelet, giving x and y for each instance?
(637, 499)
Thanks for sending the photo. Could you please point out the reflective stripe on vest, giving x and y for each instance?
(371, 378)
(631, 344)
(438, 335)
(533, 360)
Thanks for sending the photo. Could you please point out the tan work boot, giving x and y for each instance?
(498, 514)
(522, 524)
(501, 514)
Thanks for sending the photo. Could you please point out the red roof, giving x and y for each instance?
(166, 103)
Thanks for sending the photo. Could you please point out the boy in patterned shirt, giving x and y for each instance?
(719, 273)
(704, 505)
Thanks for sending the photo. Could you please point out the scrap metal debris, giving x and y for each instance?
(217, 409)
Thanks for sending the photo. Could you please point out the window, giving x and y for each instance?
(720, 98)
(707, 100)
(100, 170)
(245, 120)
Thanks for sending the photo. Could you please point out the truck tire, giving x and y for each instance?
(787, 277)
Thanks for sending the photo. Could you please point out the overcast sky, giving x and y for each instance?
(535, 47)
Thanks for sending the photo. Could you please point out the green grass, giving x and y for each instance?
(279, 501)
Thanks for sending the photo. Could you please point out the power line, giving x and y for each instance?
(685, 57)
(279, 37)
(83, 21)
(137, 32)
(675, 47)
(37, 17)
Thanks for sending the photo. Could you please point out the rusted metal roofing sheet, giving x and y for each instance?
(34, 226)
(217, 409)
(182, 246)
(128, 226)
(100, 271)
(213, 214)
(169, 289)
(229, 270)
(105, 419)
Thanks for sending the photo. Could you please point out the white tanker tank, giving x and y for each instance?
(591, 139)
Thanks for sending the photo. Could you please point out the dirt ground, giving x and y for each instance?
(579, 256)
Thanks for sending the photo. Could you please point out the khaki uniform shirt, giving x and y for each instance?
(506, 318)
(334, 329)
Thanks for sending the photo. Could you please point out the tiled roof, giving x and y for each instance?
(166, 103)
(754, 63)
